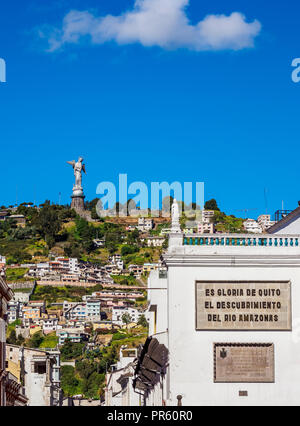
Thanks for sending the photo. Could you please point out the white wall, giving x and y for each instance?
(191, 351)
(158, 297)
(36, 392)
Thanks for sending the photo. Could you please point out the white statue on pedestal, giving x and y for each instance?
(175, 218)
(78, 168)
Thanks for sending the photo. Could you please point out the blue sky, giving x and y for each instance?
(167, 111)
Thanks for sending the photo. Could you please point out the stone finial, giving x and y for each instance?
(175, 228)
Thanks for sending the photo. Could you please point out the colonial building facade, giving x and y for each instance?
(39, 373)
(225, 321)
(11, 391)
(5, 296)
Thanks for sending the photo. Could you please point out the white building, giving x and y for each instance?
(39, 270)
(136, 270)
(60, 265)
(265, 221)
(115, 258)
(73, 266)
(252, 226)
(154, 241)
(21, 297)
(75, 335)
(207, 216)
(119, 390)
(93, 309)
(117, 262)
(14, 309)
(119, 311)
(39, 372)
(75, 310)
(205, 228)
(205, 225)
(224, 322)
(148, 267)
(89, 309)
(49, 325)
(145, 224)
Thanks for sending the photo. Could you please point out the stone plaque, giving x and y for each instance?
(243, 306)
(244, 363)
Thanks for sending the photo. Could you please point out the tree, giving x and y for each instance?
(94, 214)
(66, 213)
(12, 339)
(219, 217)
(125, 250)
(69, 383)
(70, 350)
(48, 224)
(20, 340)
(111, 247)
(126, 319)
(90, 205)
(86, 233)
(142, 321)
(73, 250)
(36, 340)
(211, 205)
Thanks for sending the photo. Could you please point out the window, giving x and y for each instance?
(40, 368)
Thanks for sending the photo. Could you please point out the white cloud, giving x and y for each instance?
(161, 23)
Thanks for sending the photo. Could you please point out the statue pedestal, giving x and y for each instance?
(77, 203)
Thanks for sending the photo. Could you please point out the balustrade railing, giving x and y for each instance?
(241, 241)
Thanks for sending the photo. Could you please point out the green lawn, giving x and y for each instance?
(16, 274)
(50, 341)
(22, 290)
(125, 280)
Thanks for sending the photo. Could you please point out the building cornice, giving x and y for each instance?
(5, 291)
(177, 260)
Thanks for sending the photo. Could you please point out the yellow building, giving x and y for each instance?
(13, 361)
(30, 313)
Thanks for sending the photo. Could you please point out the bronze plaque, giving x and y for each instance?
(244, 363)
(243, 306)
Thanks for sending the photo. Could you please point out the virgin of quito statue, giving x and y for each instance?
(77, 195)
